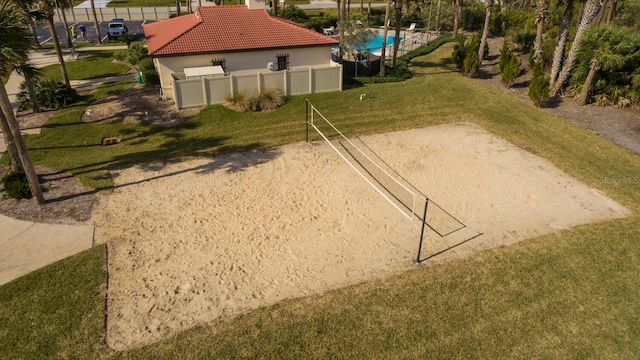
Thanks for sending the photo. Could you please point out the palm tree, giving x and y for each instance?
(438, 13)
(396, 39)
(14, 50)
(485, 31)
(30, 73)
(541, 15)
(604, 48)
(457, 10)
(589, 12)
(384, 38)
(558, 53)
(47, 9)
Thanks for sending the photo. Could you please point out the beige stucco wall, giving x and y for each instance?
(241, 62)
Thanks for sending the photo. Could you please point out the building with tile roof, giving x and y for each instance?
(233, 40)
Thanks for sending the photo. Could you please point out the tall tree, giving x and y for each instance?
(604, 48)
(457, 10)
(589, 12)
(558, 53)
(396, 38)
(612, 11)
(542, 12)
(47, 9)
(29, 73)
(14, 50)
(384, 38)
(485, 30)
(438, 13)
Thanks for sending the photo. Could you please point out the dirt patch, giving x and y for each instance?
(139, 104)
(620, 126)
(67, 200)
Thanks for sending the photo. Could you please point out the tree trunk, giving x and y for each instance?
(32, 94)
(438, 12)
(29, 170)
(14, 157)
(558, 53)
(361, 6)
(56, 45)
(32, 25)
(541, 15)
(384, 39)
(590, 11)
(584, 95)
(612, 11)
(178, 4)
(601, 13)
(485, 31)
(396, 38)
(66, 26)
(369, 13)
(457, 9)
(95, 21)
(429, 22)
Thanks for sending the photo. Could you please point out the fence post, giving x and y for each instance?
(285, 75)
(311, 80)
(260, 82)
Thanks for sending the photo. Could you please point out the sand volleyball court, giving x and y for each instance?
(192, 242)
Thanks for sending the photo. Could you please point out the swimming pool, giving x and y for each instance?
(374, 43)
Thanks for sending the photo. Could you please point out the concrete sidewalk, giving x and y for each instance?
(27, 246)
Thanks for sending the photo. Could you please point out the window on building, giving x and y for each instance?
(282, 62)
(220, 62)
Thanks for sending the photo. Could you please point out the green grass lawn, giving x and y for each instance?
(572, 294)
(96, 64)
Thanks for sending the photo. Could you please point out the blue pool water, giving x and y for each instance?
(374, 43)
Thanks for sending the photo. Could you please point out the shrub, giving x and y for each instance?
(16, 185)
(509, 65)
(136, 53)
(524, 39)
(457, 56)
(465, 55)
(150, 77)
(239, 101)
(472, 16)
(51, 94)
(470, 64)
(146, 64)
(539, 85)
(120, 55)
(269, 99)
(293, 13)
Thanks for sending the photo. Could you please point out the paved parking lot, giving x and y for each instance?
(44, 36)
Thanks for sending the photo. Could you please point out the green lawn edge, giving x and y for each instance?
(571, 294)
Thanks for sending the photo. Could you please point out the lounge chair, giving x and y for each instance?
(388, 24)
(328, 31)
(412, 27)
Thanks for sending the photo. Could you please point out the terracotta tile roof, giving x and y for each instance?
(227, 28)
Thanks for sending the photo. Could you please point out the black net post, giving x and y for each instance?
(424, 222)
